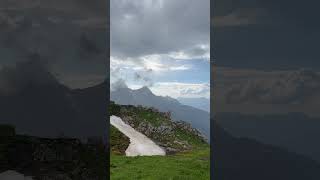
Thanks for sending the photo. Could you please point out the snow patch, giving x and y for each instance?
(140, 145)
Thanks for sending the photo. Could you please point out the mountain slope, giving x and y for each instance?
(199, 103)
(187, 153)
(243, 158)
(172, 136)
(37, 104)
(295, 131)
(199, 119)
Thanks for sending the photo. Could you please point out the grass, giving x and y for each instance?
(154, 118)
(191, 165)
(194, 165)
(140, 114)
(118, 141)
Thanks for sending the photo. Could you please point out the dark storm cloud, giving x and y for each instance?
(69, 35)
(266, 34)
(34, 70)
(79, 8)
(158, 27)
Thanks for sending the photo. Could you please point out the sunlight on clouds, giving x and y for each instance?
(156, 63)
(161, 67)
(177, 89)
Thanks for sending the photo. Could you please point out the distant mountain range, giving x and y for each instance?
(200, 103)
(244, 158)
(296, 132)
(199, 119)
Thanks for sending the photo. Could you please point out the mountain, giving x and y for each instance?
(173, 136)
(200, 103)
(199, 119)
(187, 153)
(244, 158)
(296, 132)
(37, 104)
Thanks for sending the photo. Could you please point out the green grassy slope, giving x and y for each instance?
(190, 159)
(118, 141)
(158, 126)
(193, 165)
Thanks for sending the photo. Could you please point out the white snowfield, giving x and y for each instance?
(140, 145)
(13, 175)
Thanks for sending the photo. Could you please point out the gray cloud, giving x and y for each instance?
(140, 28)
(77, 8)
(266, 34)
(295, 87)
(144, 77)
(34, 70)
(68, 35)
(240, 17)
(120, 83)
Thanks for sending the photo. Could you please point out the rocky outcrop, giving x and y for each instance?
(173, 136)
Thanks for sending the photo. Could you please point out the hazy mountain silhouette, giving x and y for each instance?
(199, 119)
(243, 158)
(199, 103)
(294, 131)
(37, 104)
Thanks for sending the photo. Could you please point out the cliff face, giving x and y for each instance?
(173, 136)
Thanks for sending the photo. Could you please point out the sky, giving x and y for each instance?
(162, 44)
(266, 54)
(70, 37)
(266, 34)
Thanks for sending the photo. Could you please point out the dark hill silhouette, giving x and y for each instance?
(46, 108)
(296, 132)
(243, 158)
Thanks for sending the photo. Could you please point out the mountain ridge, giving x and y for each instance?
(173, 136)
(199, 119)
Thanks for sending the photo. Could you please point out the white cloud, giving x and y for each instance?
(151, 63)
(178, 89)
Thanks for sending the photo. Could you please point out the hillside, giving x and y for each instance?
(197, 118)
(38, 104)
(296, 132)
(44, 158)
(199, 103)
(158, 126)
(244, 158)
(188, 153)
